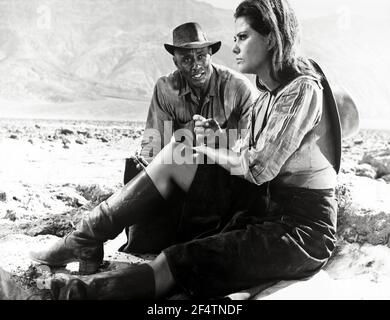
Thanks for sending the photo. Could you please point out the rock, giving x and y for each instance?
(57, 225)
(3, 196)
(37, 126)
(65, 143)
(365, 170)
(66, 131)
(70, 197)
(14, 136)
(95, 193)
(103, 139)
(79, 141)
(10, 215)
(86, 134)
(379, 159)
(363, 210)
(358, 141)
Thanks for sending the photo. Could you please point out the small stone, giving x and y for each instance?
(11, 215)
(379, 159)
(71, 198)
(358, 141)
(365, 170)
(66, 131)
(3, 196)
(79, 141)
(85, 134)
(103, 139)
(14, 136)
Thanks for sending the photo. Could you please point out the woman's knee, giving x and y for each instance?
(173, 167)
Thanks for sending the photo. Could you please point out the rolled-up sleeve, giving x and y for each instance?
(158, 114)
(240, 95)
(292, 116)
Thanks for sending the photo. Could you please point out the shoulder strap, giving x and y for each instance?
(333, 113)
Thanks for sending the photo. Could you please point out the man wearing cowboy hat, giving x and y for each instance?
(200, 87)
(197, 87)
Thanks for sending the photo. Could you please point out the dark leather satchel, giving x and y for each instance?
(131, 169)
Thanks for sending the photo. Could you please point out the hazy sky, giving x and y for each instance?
(312, 9)
(316, 8)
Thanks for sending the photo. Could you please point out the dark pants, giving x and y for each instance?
(233, 235)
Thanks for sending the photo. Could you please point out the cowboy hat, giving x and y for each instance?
(190, 36)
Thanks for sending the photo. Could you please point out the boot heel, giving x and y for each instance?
(88, 267)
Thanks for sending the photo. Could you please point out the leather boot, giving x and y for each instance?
(133, 203)
(134, 282)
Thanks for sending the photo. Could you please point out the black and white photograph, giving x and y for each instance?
(194, 150)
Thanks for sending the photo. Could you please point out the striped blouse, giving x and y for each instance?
(281, 144)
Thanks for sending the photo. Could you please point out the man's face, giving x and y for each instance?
(195, 65)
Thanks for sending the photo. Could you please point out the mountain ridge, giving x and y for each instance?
(72, 51)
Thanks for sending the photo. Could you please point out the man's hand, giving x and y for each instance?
(205, 128)
(139, 161)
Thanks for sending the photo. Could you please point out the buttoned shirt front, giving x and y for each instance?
(228, 101)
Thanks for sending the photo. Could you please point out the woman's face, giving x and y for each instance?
(251, 48)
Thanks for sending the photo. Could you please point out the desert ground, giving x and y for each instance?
(52, 172)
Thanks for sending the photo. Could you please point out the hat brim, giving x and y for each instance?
(215, 46)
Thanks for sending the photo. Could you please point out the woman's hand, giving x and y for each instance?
(227, 159)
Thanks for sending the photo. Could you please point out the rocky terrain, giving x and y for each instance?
(52, 172)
